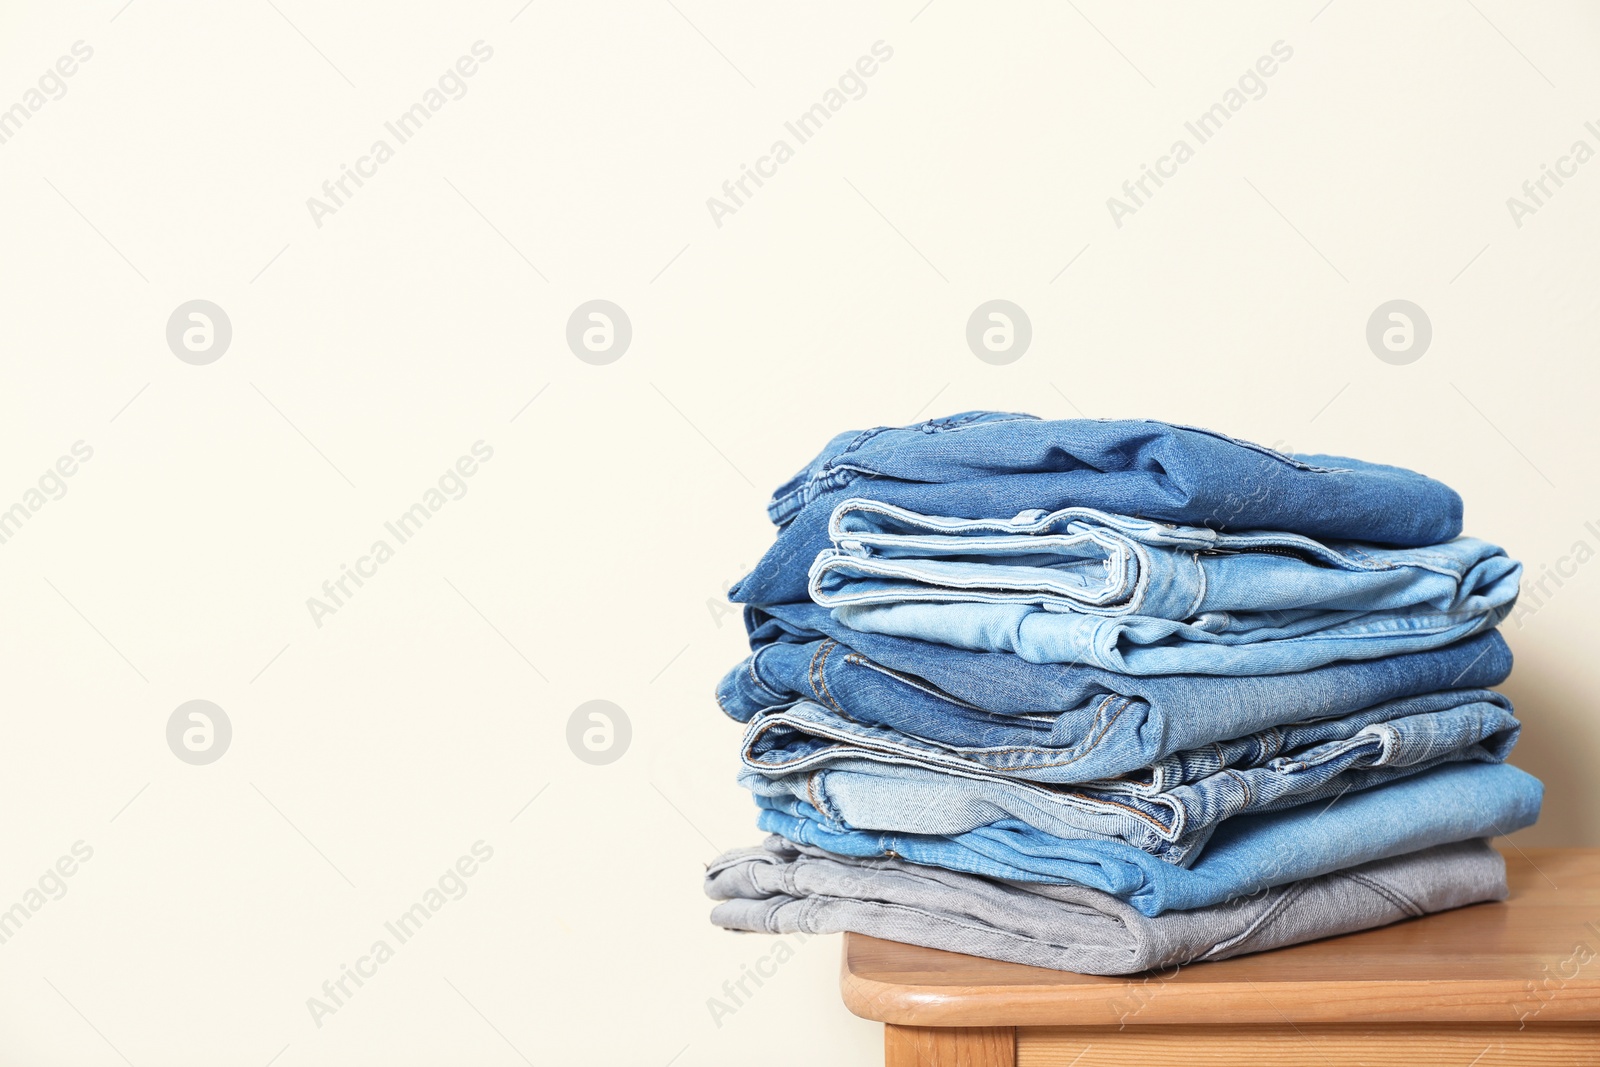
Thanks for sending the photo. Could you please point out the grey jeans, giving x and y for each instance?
(783, 888)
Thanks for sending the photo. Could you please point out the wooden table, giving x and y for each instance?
(1492, 984)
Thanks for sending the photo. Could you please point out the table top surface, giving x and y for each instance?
(1533, 959)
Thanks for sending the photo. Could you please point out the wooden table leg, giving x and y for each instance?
(949, 1046)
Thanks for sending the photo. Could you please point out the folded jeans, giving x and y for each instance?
(1453, 802)
(1214, 644)
(1061, 722)
(781, 888)
(905, 785)
(994, 463)
(1094, 563)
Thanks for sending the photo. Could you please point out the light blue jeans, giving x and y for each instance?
(1094, 563)
(1214, 644)
(866, 778)
(1455, 802)
(1141, 597)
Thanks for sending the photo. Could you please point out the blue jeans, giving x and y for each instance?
(867, 778)
(1060, 722)
(993, 463)
(1454, 802)
(1088, 562)
(1220, 644)
(1130, 595)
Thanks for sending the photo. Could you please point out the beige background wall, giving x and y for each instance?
(428, 313)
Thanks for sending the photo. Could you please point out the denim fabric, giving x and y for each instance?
(1218, 643)
(1455, 802)
(1086, 561)
(908, 786)
(1060, 722)
(780, 889)
(806, 736)
(980, 464)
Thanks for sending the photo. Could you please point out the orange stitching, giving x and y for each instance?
(825, 696)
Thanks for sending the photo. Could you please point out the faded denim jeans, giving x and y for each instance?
(858, 778)
(782, 888)
(1144, 597)
(1454, 802)
(1059, 722)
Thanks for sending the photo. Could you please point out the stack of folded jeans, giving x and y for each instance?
(1109, 695)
